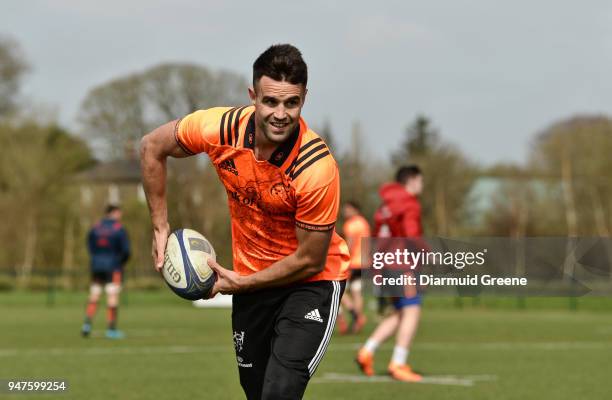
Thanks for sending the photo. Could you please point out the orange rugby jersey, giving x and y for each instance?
(298, 186)
(354, 229)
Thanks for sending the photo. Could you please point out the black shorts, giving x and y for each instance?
(355, 275)
(281, 335)
(104, 277)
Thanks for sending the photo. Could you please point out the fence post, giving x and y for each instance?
(458, 301)
(51, 288)
(521, 304)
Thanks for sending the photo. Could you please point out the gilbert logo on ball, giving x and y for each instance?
(186, 270)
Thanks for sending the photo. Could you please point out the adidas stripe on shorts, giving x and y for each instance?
(281, 335)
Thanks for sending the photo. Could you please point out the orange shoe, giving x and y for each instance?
(365, 360)
(404, 373)
(342, 325)
(359, 323)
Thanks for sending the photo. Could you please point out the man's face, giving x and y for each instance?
(348, 211)
(415, 185)
(277, 107)
(115, 214)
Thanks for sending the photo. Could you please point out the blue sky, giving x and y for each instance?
(489, 74)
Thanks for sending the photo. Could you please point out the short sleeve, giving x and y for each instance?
(346, 229)
(351, 228)
(363, 228)
(317, 210)
(196, 132)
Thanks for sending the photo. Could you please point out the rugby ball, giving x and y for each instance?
(185, 264)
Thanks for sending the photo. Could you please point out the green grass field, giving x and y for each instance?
(175, 351)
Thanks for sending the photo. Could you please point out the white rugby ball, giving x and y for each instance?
(185, 264)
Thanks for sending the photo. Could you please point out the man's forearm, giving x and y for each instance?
(283, 272)
(155, 148)
(154, 182)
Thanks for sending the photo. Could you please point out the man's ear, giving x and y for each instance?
(252, 95)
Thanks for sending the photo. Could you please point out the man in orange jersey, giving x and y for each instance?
(398, 217)
(355, 228)
(289, 265)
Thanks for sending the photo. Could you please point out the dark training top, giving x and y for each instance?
(108, 246)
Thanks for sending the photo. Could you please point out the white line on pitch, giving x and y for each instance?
(491, 346)
(124, 350)
(604, 330)
(453, 380)
(88, 351)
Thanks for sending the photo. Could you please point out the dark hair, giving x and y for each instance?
(407, 172)
(111, 207)
(353, 204)
(281, 62)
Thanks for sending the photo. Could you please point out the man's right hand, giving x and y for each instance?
(160, 239)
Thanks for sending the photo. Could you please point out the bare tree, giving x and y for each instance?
(327, 134)
(576, 152)
(125, 108)
(34, 190)
(447, 172)
(12, 68)
(361, 173)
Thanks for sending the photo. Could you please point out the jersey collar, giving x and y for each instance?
(282, 152)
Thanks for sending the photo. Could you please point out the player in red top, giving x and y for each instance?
(283, 185)
(398, 217)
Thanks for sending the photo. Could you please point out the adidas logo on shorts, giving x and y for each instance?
(314, 315)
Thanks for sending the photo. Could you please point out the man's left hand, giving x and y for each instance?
(228, 282)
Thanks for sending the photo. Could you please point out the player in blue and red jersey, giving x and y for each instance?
(109, 249)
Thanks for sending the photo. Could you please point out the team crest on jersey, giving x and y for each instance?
(229, 165)
(238, 340)
(280, 190)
